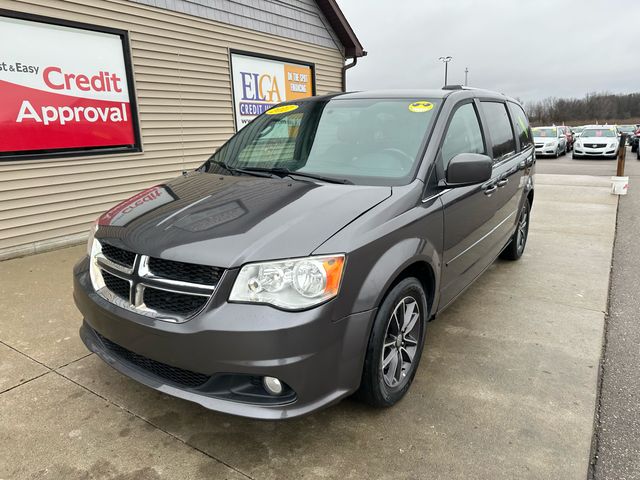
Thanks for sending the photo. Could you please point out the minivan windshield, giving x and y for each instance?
(626, 128)
(374, 141)
(598, 132)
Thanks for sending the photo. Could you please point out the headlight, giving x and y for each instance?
(93, 248)
(92, 235)
(613, 145)
(290, 284)
(551, 144)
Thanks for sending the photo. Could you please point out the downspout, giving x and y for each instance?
(344, 72)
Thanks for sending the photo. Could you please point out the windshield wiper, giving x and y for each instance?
(255, 173)
(285, 172)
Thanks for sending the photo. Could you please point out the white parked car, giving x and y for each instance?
(549, 141)
(597, 141)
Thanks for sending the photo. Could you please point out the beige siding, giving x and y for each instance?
(183, 85)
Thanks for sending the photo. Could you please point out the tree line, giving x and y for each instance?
(593, 108)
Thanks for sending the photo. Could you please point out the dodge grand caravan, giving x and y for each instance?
(301, 263)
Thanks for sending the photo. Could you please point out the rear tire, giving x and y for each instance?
(517, 244)
(395, 345)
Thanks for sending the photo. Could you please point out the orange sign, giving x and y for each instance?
(298, 81)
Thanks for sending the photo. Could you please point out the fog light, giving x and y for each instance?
(272, 385)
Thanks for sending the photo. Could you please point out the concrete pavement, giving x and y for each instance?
(506, 389)
(617, 442)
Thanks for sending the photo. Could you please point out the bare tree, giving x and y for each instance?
(603, 107)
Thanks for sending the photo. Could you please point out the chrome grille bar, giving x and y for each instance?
(140, 279)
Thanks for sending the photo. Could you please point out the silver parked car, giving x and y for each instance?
(549, 141)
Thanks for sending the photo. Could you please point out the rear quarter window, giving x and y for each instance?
(521, 122)
(499, 126)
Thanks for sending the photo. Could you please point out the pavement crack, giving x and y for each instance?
(25, 355)
(25, 382)
(73, 361)
(42, 363)
(157, 427)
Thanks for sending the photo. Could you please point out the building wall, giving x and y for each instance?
(296, 19)
(183, 87)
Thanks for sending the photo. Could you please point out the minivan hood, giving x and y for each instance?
(227, 221)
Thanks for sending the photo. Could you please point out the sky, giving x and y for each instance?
(526, 49)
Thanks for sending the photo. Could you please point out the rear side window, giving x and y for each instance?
(522, 125)
(499, 126)
(463, 135)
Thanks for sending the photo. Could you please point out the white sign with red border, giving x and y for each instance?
(62, 88)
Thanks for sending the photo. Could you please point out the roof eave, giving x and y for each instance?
(352, 46)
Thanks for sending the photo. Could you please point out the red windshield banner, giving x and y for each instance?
(64, 89)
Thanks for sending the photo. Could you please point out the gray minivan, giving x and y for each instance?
(301, 263)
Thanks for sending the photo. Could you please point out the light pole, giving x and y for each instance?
(446, 61)
(466, 76)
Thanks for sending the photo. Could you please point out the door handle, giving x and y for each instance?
(503, 182)
(490, 190)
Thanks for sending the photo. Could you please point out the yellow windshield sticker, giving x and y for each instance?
(420, 106)
(282, 109)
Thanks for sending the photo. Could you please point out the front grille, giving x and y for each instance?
(117, 285)
(118, 255)
(164, 289)
(185, 272)
(595, 145)
(171, 302)
(175, 375)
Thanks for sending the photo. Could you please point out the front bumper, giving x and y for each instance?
(319, 358)
(595, 152)
(541, 151)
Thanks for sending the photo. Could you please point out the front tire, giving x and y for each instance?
(395, 345)
(515, 248)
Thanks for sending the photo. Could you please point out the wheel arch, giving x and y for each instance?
(410, 257)
(421, 270)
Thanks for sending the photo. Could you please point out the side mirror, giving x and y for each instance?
(468, 169)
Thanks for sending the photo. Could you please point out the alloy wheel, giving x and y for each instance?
(404, 330)
(523, 223)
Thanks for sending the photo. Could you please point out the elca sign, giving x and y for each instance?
(260, 83)
(64, 90)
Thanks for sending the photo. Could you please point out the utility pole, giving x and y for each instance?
(466, 76)
(446, 61)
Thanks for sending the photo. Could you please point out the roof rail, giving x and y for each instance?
(452, 87)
